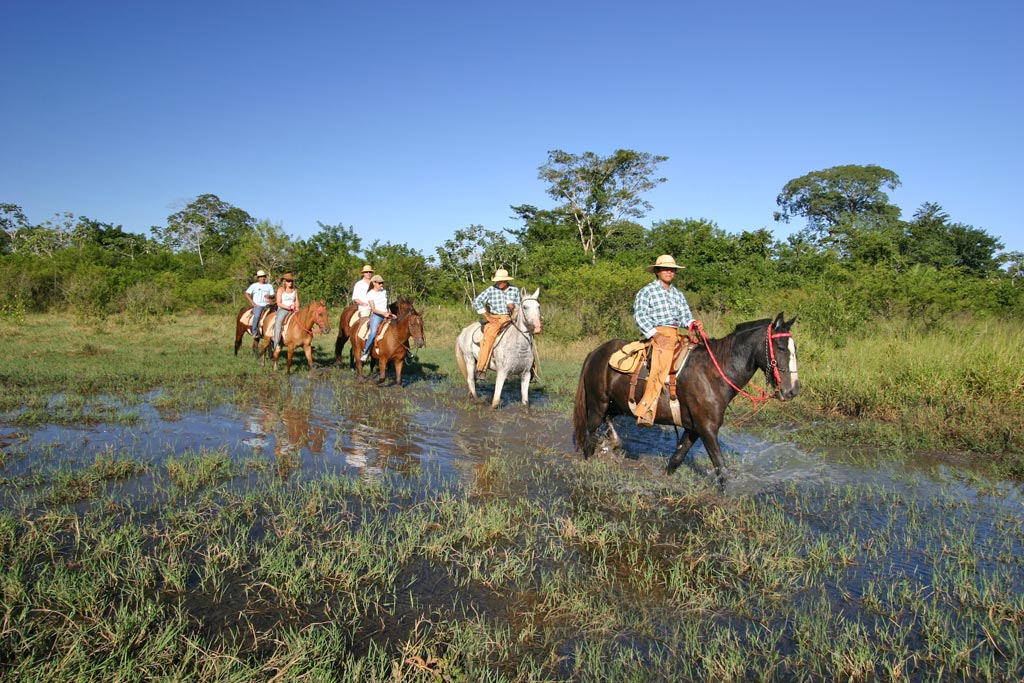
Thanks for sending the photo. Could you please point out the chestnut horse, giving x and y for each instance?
(348, 324)
(712, 376)
(392, 345)
(297, 331)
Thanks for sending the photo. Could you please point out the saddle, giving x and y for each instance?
(363, 331)
(246, 318)
(634, 359)
(478, 333)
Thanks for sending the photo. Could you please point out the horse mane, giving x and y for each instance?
(724, 344)
(751, 325)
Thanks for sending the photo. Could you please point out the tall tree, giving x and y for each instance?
(12, 222)
(205, 222)
(932, 239)
(840, 200)
(596, 194)
(472, 255)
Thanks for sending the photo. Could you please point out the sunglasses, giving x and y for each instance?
(286, 280)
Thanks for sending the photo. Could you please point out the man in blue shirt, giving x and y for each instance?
(660, 310)
(495, 304)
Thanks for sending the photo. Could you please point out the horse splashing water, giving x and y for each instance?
(512, 353)
(712, 376)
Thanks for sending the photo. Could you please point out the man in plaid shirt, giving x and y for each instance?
(659, 311)
(496, 304)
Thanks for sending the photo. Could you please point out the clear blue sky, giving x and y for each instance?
(408, 121)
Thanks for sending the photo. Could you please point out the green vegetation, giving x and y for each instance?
(541, 567)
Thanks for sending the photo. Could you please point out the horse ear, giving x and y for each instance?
(779, 321)
(535, 294)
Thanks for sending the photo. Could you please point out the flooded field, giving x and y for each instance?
(413, 531)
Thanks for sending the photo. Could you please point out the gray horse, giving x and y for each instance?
(512, 353)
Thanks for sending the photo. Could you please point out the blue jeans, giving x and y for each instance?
(256, 312)
(375, 321)
(278, 322)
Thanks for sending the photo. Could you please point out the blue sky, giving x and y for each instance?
(408, 121)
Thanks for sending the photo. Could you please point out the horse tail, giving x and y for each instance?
(579, 413)
(460, 360)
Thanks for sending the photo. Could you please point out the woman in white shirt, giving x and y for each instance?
(287, 302)
(377, 297)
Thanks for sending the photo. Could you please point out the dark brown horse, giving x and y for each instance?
(392, 345)
(349, 323)
(298, 330)
(712, 376)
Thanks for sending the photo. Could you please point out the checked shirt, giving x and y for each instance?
(496, 299)
(656, 306)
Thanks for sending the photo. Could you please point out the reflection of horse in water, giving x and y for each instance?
(512, 353)
(297, 434)
(297, 331)
(349, 322)
(713, 374)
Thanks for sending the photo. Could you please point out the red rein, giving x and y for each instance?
(772, 363)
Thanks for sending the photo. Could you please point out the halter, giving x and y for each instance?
(310, 331)
(772, 363)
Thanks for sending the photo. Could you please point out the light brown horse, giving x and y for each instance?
(392, 345)
(348, 325)
(298, 331)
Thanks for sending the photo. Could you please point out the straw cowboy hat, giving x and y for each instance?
(377, 278)
(367, 269)
(261, 273)
(501, 275)
(288, 276)
(664, 261)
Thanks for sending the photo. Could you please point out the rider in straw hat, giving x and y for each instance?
(260, 295)
(495, 304)
(660, 310)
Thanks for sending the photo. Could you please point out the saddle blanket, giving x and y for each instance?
(627, 359)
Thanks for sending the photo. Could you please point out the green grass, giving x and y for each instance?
(601, 573)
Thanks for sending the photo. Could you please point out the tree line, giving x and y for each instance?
(854, 256)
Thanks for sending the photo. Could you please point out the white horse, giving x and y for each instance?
(512, 353)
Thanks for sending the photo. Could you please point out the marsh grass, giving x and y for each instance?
(601, 572)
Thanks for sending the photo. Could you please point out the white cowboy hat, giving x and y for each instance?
(664, 261)
(367, 269)
(501, 275)
(261, 273)
(377, 278)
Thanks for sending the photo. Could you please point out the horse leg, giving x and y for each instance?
(339, 344)
(686, 442)
(308, 348)
(470, 374)
(710, 440)
(616, 442)
(239, 334)
(524, 387)
(288, 365)
(277, 352)
(499, 384)
(399, 362)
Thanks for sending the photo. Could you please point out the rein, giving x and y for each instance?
(527, 335)
(773, 364)
(310, 330)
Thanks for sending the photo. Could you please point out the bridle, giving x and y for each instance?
(775, 378)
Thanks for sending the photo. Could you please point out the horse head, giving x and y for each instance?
(780, 359)
(320, 317)
(416, 327)
(529, 312)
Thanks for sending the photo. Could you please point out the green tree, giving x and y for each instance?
(328, 263)
(932, 239)
(12, 223)
(470, 258)
(207, 222)
(842, 203)
(405, 270)
(597, 194)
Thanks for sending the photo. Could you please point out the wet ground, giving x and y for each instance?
(334, 424)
